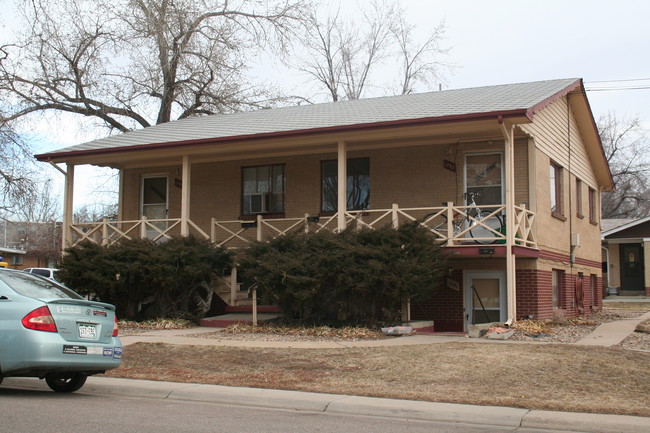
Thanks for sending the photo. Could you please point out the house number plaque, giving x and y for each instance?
(451, 166)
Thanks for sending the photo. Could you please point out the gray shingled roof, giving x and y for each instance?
(448, 103)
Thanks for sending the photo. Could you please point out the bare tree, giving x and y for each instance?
(134, 63)
(40, 205)
(345, 56)
(95, 212)
(420, 62)
(625, 143)
(16, 169)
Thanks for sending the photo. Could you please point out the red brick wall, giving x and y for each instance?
(535, 295)
(445, 308)
(534, 299)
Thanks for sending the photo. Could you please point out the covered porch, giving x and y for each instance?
(495, 227)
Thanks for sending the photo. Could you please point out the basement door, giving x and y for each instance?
(485, 297)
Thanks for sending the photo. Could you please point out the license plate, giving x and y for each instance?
(88, 331)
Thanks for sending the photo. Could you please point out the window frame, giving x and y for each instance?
(243, 213)
(557, 288)
(351, 165)
(592, 206)
(556, 181)
(579, 213)
(593, 288)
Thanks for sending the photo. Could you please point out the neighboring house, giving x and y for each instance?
(531, 150)
(12, 257)
(39, 241)
(626, 264)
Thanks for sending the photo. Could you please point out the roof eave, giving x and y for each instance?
(524, 114)
(624, 227)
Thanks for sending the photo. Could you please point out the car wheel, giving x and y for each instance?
(65, 382)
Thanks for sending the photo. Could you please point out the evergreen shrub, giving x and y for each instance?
(355, 277)
(174, 278)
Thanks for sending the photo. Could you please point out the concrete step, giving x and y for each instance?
(249, 309)
(226, 320)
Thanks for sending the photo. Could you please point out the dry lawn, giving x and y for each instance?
(535, 376)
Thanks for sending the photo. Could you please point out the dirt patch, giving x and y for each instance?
(571, 330)
(550, 376)
(618, 305)
(286, 333)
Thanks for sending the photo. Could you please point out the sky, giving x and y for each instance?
(606, 43)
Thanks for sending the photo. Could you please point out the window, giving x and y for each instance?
(558, 288)
(579, 199)
(556, 191)
(483, 176)
(17, 260)
(593, 288)
(263, 189)
(358, 184)
(592, 206)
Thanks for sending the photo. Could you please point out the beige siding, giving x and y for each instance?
(551, 136)
(554, 128)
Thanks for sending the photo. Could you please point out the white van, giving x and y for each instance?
(44, 272)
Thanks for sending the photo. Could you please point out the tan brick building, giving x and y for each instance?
(528, 156)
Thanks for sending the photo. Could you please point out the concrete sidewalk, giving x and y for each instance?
(607, 334)
(612, 333)
(506, 417)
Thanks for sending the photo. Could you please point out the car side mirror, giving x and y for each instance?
(4, 298)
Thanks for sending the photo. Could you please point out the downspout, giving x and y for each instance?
(607, 261)
(511, 295)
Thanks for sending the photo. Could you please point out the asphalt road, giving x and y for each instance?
(43, 411)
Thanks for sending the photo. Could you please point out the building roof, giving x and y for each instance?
(8, 250)
(615, 225)
(509, 100)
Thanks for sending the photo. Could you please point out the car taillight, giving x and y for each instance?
(115, 327)
(40, 320)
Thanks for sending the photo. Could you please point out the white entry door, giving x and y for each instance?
(154, 203)
(485, 297)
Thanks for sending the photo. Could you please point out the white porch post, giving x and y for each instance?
(185, 196)
(342, 199)
(120, 205)
(68, 206)
(508, 133)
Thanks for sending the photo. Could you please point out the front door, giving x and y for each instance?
(632, 267)
(154, 203)
(485, 297)
(484, 177)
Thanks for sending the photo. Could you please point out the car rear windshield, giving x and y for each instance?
(41, 272)
(35, 287)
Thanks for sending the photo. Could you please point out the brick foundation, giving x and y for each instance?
(445, 308)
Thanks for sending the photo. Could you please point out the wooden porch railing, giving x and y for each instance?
(452, 225)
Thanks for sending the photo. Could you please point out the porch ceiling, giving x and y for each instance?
(291, 145)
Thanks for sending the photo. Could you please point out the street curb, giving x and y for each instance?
(354, 405)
